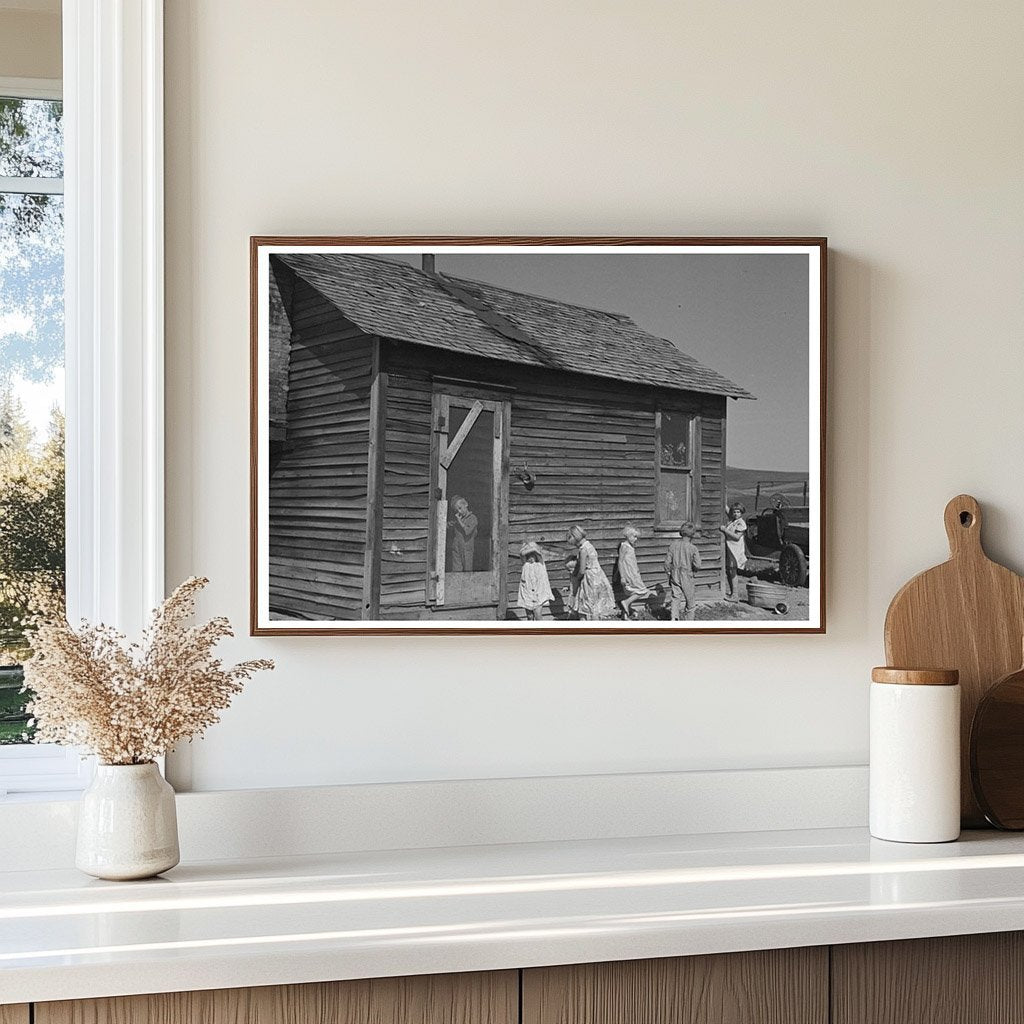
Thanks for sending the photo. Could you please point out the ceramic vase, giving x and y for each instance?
(127, 825)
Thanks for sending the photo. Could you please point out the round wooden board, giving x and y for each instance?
(997, 752)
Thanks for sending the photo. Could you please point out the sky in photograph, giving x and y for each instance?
(742, 314)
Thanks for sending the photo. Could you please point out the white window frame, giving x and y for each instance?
(114, 323)
(31, 89)
(37, 767)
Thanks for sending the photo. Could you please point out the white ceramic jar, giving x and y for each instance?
(127, 823)
(915, 755)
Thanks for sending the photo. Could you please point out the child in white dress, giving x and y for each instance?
(735, 531)
(534, 585)
(592, 593)
(632, 583)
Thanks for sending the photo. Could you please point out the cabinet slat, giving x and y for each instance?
(960, 979)
(780, 986)
(479, 998)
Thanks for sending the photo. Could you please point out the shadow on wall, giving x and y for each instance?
(855, 287)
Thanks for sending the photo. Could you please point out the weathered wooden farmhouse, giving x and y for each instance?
(407, 404)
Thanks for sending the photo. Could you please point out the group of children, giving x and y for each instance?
(590, 592)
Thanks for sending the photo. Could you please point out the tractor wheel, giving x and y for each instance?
(792, 566)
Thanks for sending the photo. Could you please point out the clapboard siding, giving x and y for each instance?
(280, 286)
(593, 460)
(589, 444)
(318, 479)
(406, 497)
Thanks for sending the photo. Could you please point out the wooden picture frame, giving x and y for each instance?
(390, 374)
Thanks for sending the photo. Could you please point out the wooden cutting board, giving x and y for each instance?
(967, 614)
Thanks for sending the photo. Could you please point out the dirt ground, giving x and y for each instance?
(763, 569)
(728, 610)
(797, 599)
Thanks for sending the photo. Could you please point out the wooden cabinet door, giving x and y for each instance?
(961, 979)
(779, 986)
(483, 998)
(14, 1014)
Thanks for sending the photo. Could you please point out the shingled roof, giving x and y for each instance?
(398, 301)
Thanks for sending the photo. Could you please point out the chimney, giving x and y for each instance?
(428, 263)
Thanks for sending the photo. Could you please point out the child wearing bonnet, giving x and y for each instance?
(534, 585)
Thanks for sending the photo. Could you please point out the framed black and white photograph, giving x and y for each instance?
(537, 435)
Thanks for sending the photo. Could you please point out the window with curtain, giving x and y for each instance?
(675, 441)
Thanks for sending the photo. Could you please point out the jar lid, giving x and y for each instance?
(916, 676)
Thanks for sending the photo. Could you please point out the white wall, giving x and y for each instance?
(30, 41)
(895, 129)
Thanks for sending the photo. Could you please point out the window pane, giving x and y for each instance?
(31, 432)
(470, 490)
(675, 439)
(673, 499)
(31, 138)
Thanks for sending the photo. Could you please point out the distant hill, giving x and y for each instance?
(741, 485)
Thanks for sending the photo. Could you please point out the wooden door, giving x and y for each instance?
(483, 998)
(469, 510)
(14, 1014)
(960, 979)
(774, 986)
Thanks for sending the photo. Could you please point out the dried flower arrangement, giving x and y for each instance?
(130, 703)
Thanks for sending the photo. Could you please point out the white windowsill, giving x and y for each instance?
(42, 771)
(60, 936)
(49, 797)
(357, 915)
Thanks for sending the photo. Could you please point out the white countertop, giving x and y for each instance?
(352, 915)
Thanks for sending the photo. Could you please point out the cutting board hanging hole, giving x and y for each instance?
(963, 526)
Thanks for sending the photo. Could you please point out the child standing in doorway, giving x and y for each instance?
(534, 585)
(735, 531)
(681, 563)
(462, 544)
